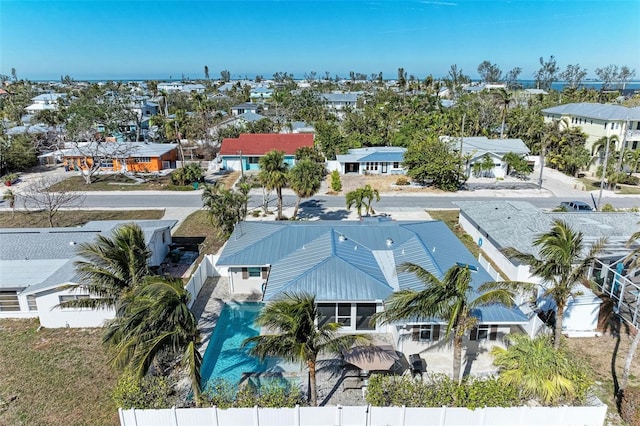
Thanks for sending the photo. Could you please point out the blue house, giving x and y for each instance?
(244, 152)
(352, 268)
(382, 160)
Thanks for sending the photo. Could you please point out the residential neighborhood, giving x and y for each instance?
(191, 233)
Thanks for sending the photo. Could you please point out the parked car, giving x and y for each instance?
(576, 206)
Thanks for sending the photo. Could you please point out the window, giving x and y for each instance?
(344, 314)
(364, 313)
(106, 164)
(612, 124)
(72, 297)
(31, 301)
(142, 159)
(254, 160)
(326, 313)
(425, 333)
(396, 164)
(9, 301)
(254, 272)
(484, 331)
(635, 145)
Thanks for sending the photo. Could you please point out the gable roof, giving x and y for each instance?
(261, 143)
(480, 145)
(597, 111)
(352, 260)
(130, 149)
(381, 153)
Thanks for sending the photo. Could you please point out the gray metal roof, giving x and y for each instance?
(597, 111)
(384, 156)
(517, 223)
(131, 149)
(250, 116)
(352, 260)
(341, 97)
(382, 153)
(47, 254)
(480, 145)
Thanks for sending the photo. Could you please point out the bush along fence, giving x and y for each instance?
(366, 416)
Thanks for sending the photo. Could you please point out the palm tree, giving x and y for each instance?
(305, 179)
(110, 267)
(504, 98)
(452, 299)
(293, 320)
(11, 197)
(273, 174)
(561, 266)
(632, 159)
(225, 207)
(362, 198)
(537, 369)
(155, 319)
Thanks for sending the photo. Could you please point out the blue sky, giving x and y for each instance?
(157, 39)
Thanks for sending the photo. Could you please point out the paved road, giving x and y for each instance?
(392, 202)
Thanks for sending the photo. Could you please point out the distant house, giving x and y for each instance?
(36, 262)
(243, 108)
(475, 148)
(373, 160)
(338, 101)
(351, 267)
(260, 94)
(177, 86)
(46, 101)
(244, 152)
(598, 121)
(123, 156)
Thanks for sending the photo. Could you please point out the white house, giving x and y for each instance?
(495, 225)
(475, 148)
(36, 262)
(178, 86)
(383, 160)
(46, 101)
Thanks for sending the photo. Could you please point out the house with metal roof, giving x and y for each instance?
(476, 148)
(260, 94)
(495, 225)
(45, 101)
(36, 262)
(618, 122)
(244, 152)
(352, 267)
(244, 108)
(383, 160)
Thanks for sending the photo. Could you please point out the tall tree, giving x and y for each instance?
(504, 99)
(225, 207)
(304, 179)
(292, 320)
(512, 78)
(273, 174)
(489, 73)
(156, 319)
(573, 75)
(561, 265)
(451, 299)
(402, 80)
(547, 73)
(206, 72)
(111, 266)
(433, 160)
(455, 79)
(607, 75)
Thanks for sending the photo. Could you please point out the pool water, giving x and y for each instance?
(226, 359)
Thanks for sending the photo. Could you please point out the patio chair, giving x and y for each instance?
(418, 366)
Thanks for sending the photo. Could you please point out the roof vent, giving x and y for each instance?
(72, 243)
(389, 242)
(342, 238)
(433, 250)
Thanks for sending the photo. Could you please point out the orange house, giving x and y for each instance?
(136, 157)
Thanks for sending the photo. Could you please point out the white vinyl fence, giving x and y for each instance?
(205, 270)
(366, 416)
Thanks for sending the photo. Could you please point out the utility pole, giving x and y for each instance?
(241, 165)
(604, 172)
(542, 150)
(464, 116)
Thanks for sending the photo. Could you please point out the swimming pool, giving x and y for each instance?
(225, 358)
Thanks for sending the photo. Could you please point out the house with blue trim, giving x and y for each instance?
(382, 160)
(352, 268)
(244, 152)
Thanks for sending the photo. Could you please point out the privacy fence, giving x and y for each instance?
(366, 416)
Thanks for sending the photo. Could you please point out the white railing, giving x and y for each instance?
(366, 416)
(624, 293)
(489, 268)
(205, 270)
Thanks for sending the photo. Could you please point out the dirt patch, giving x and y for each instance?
(21, 219)
(382, 183)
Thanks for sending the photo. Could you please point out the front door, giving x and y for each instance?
(384, 168)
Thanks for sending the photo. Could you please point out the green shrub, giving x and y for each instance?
(275, 393)
(630, 406)
(150, 392)
(608, 208)
(440, 390)
(629, 180)
(336, 183)
(402, 181)
(187, 175)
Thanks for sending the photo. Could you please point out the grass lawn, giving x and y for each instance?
(54, 376)
(592, 185)
(118, 182)
(72, 218)
(197, 224)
